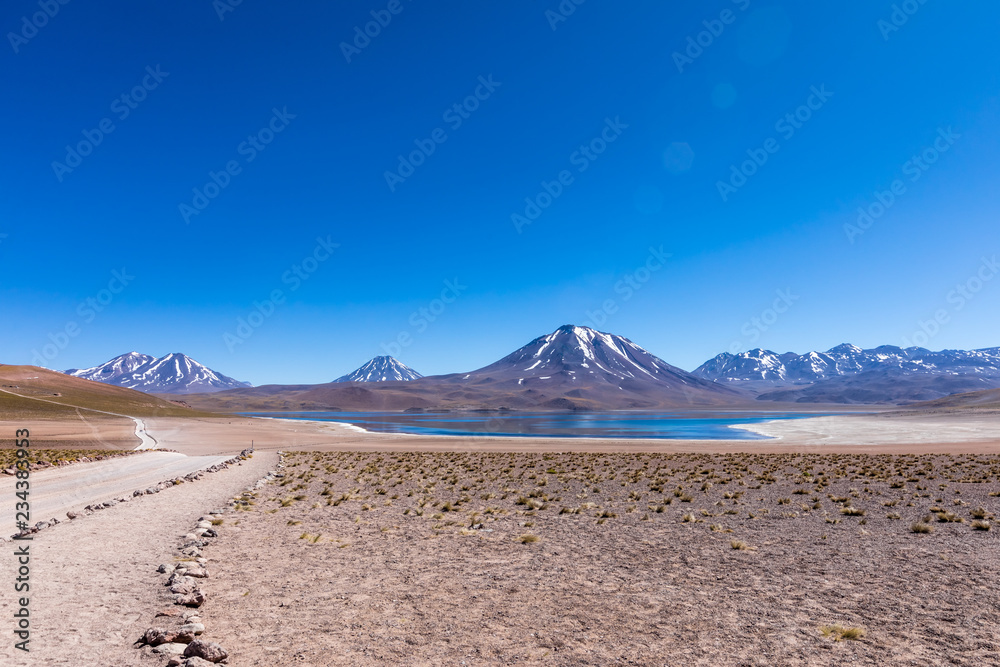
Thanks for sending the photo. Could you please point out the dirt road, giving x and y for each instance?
(57, 490)
(93, 584)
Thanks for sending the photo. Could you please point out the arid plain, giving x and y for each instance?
(809, 548)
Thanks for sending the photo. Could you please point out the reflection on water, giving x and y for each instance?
(667, 425)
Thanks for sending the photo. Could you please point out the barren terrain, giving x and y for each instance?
(395, 549)
(647, 559)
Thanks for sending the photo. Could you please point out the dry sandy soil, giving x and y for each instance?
(421, 558)
(87, 431)
(360, 581)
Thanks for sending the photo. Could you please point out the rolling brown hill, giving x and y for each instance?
(30, 392)
(972, 400)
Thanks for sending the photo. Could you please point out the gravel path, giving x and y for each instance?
(94, 589)
(57, 490)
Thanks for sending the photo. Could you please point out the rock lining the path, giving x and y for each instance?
(185, 580)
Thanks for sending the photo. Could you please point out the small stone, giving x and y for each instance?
(154, 636)
(197, 572)
(162, 569)
(168, 612)
(183, 585)
(71, 515)
(170, 648)
(197, 662)
(182, 636)
(204, 524)
(195, 599)
(176, 661)
(193, 628)
(206, 650)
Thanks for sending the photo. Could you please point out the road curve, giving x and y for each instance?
(146, 441)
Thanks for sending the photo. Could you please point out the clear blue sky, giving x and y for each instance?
(551, 87)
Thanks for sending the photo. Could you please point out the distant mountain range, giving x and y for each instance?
(572, 368)
(172, 374)
(578, 368)
(849, 374)
(381, 369)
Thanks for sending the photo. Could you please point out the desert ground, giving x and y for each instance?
(388, 549)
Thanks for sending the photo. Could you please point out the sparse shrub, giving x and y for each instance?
(837, 632)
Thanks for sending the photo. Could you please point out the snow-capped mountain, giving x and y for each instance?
(581, 366)
(582, 351)
(849, 374)
(175, 373)
(381, 369)
(789, 368)
(110, 371)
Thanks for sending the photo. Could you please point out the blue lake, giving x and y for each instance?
(665, 425)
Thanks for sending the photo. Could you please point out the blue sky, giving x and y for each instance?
(249, 148)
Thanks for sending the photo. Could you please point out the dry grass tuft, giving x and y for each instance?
(838, 632)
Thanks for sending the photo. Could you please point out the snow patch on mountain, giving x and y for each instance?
(381, 369)
(174, 373)
(765, 367)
